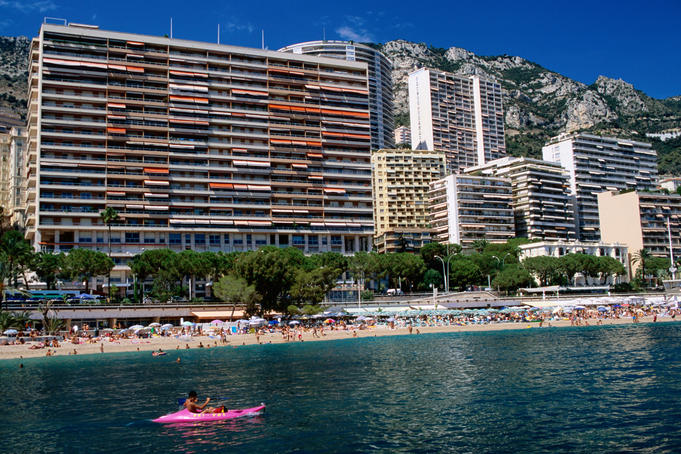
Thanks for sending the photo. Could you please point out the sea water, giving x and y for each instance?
(588, 389)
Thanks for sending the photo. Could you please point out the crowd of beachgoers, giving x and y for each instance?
(322, 326)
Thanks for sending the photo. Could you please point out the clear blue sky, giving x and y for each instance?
(639, 42)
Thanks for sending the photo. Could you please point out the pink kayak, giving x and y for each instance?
(187, 416)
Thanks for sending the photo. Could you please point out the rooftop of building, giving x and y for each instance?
(96, 32)
(585, 135)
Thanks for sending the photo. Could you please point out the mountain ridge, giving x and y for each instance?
(538, 102)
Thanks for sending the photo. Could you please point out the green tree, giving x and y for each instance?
(84, 264)
(192, 265)
(641, 257)
(430, 250)
(570, 265)
(310, 287)
(235, 290)
(608, 266)
(434, 278)
(16, 252)
(404, 266)
(333, 260)
(109, 216)
(463, 272)
(47, 267)
(272, 271)
(160, 264)
(544, 267)
(658, 267)
(511, 278)
(479, 245)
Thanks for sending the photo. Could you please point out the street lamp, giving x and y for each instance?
(672, 268)
(444, 275)
(502, 259)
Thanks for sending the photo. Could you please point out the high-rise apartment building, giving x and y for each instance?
(402, 135)
(11, 171)
(380, 82)
(196, 145)
(401, 181)
(642, 220)
(466, 208)
(597, 164)
(9, 120)
(5, 173)
(542, 204)
(460, 115)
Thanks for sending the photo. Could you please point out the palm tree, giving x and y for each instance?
(480, 245)
(109, 215)
(641, 257)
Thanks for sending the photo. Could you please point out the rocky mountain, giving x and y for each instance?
(538, 102)
(14, 73)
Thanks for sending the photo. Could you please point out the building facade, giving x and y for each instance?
(400, 180)
(460, 115)
(9, 120)
(597, 164)
(642, 220)
(557, 249)
(380, 82)
(542, 205)
(466, 208)
(11, 170)
(196, 145)
(670, 183)
(403, 135)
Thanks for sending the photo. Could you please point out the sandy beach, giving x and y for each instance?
(172, 344)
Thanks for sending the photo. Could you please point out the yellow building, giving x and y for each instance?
(400, 180)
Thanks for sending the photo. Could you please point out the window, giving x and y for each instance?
(149, 238)
(175, 238)
(132, 237)
(199, 238)
(214, 240)
(226, 238)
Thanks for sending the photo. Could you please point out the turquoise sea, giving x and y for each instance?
(591, 389)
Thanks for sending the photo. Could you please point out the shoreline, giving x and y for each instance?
(172, 345)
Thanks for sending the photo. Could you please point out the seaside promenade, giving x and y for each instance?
(174, 344)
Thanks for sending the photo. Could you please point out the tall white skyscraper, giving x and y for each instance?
(460, 115)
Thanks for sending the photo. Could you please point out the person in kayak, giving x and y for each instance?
(191, 405)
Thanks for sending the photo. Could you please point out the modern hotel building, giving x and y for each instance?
(196, 145)
(380, 82)
(598, 164)
(460, 115)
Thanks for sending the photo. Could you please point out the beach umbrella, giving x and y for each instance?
(136, 327)
(579, 308)
(329, 320)
(273, 322)
(11, 332)
(602, 309)
(294, 322)
(187, 323)
(217, 322)
(155, 324)
(107, 330)
(167, 326)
